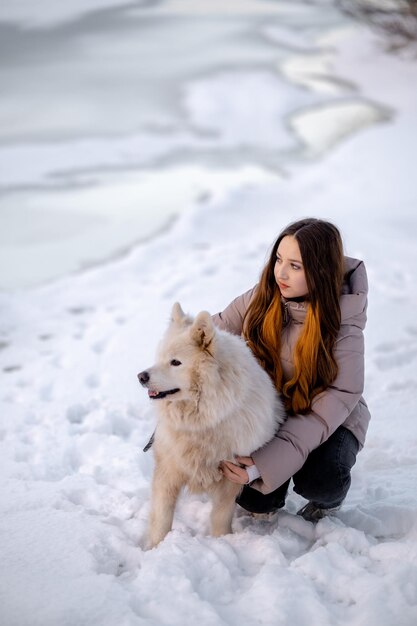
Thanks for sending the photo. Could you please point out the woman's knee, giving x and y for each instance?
(257, 502)
(325, 477)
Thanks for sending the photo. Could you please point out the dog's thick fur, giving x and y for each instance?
(214, 401)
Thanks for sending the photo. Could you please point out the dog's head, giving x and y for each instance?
(186, 345)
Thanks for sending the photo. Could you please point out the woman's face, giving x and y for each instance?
(289, 269)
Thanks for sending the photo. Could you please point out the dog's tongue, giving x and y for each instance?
(152, 393)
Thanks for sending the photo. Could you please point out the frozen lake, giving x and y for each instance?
(116, 117)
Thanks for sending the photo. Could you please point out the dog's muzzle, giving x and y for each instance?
(144, 379)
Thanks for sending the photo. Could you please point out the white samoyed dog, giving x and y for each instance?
(213, 401)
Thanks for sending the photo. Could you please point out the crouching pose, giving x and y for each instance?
(304, 322)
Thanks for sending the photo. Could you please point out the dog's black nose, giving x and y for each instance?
(143, 378)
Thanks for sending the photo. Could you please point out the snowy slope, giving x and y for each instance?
(74, 482)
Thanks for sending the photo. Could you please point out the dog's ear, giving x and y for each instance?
(202, 330)
(177, 314)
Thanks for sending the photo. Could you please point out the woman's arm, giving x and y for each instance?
(282, 457)
(231, 319)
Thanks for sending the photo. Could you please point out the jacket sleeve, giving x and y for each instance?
(284, 455)
(231, 319)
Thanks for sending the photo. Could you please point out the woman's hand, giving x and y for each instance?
(237, 473)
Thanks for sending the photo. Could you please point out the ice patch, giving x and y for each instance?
(225, 105)
(323, 127)
(65, 232)
(313, 71)
(49, 13)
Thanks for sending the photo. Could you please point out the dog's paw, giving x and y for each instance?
(153, 539)
(150, 544)
(220, 531)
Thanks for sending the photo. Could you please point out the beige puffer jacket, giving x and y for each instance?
(340, 404)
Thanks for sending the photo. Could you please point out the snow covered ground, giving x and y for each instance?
(74, 482)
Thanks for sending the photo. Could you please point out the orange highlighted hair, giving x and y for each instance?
(315, 367)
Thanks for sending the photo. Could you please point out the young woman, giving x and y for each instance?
(304, 321)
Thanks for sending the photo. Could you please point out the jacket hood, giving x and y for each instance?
(354, 298)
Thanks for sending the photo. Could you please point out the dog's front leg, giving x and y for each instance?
(165, 492)
(224, 495)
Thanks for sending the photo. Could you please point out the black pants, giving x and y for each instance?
(324, 478)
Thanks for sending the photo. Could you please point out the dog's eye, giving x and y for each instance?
(175, 363)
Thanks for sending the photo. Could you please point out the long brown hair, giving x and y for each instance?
(315, 367)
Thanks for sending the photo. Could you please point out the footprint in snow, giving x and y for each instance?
(99, 346)
(172, 291)
(391, 354)
(46, 393)
(403, 385)
(396, 359)
(80, 310)
(210, 270)
(92, 381)
(76, 413)
(387, 347)
(108, 560)
(11, 368)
